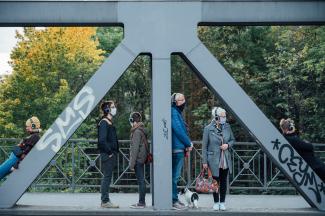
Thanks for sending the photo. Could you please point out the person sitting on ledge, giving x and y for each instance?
(19, 152)
(305, 149)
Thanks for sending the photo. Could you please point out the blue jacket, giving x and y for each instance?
(180, 138)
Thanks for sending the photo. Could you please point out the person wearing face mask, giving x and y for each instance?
(138, 155)
(108, 147)
(181, 143)
(217, 139)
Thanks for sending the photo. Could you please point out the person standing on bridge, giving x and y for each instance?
(108, 147)
(305, 149)
(138, 155)
(181, 144)
(19, 152)
(217, 140)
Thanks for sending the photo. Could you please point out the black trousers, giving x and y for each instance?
(222, 180)
(107, 167)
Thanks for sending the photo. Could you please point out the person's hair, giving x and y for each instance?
(287, 125)
(136, 116)
(104, 106)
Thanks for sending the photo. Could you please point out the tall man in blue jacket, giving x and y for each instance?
(180, 144)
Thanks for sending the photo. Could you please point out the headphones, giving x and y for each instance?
(32, 123)
(174, 99)
(291, 125)
(131, 120)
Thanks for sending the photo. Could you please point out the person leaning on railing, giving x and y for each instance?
(19, 152)
(305, 149)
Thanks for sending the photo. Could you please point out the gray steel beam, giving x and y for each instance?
(214, 12)
(263, 12)
(161, 133)
(252, 118)
(65, 125)
(48, 13)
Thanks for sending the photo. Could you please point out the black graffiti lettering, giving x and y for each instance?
(301, 174)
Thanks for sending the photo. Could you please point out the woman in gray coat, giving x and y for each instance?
(217, 140)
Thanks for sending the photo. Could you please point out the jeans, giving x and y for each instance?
(107, 166)
(139, 172)
(5, 167)
(177, 165)
(222, 180)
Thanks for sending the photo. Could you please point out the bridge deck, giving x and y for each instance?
(88, 204)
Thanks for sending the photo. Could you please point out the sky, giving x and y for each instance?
(7, 43)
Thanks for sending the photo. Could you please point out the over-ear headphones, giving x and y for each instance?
(131, 119)
(174, 99)
(32, 123)
(107, 109)
(291, 125)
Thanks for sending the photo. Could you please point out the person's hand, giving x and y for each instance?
(132, 169)
(224, 146)
(188, 149)
(110, 155)
(205, 166)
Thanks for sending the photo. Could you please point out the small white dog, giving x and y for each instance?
(191, 198)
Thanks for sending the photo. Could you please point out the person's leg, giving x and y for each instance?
(177, 164)
(139, 172)
(216, 194)
(223, 184)
(107, 166)
(7, 165)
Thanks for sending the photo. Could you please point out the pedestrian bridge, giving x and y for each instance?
(163, 28)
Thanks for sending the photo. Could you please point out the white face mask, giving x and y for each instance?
(113, 111)
(223, 120)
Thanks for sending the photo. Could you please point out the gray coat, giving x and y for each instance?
(211, 142)
(138, 149)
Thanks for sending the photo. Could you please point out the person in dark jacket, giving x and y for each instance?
(304, 149)
(108, 147)
(33, 128)
(181, 143)
(138, 155)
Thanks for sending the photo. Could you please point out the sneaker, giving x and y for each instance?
(109, 205)
(222, 207)
(216, 206)
(178, 206)
(138, 206)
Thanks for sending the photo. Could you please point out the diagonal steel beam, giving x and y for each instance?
(252, 118)
(65, 125)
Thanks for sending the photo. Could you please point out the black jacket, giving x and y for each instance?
(107, 138)
(305, 149)
(26, 146)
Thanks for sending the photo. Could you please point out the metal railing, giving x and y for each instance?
(77, 167)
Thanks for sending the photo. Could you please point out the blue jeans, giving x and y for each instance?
(177, 164)
(139, 172)
(5, 167)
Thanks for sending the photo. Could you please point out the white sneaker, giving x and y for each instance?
(216, 207)
(222, 207)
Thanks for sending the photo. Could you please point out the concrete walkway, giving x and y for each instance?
(89, 204)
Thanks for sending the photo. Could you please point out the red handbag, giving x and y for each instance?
(206, 185)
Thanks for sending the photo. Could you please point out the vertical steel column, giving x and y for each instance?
(161, 124)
